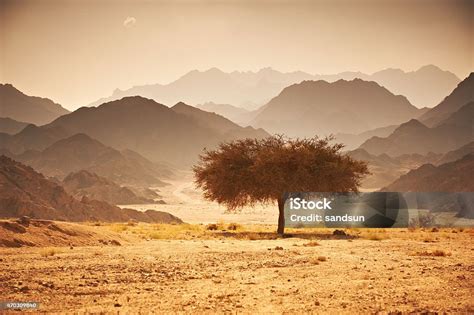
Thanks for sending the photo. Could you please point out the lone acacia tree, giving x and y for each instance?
(249, 171)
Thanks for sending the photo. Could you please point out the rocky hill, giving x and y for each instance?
(86, 184)
(24, 192)
(11, 126)
(449, 177)
(386, 169)
(461, 95)
(415, 137)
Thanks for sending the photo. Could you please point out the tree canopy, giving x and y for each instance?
(248, 171)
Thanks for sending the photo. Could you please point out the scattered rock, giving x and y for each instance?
(115, 243)
(24, 289)
(24, 220)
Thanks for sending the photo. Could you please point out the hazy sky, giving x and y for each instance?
(75, 52)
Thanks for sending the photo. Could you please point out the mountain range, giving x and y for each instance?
(11, 126)
(385, 169)
(426, 86)
(450, 126)
(457, 154)
(414, 137)
(81, 152)
(461, 95)
(352, 141)
(447, 187)
(320, 108)
(31, 109)
(236, 114)
(159, 133)
(449, 177)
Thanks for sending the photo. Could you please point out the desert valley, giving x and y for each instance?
(145, 169)
(121, 171)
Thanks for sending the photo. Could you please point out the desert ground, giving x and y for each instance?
(185, 201)
(227, 263)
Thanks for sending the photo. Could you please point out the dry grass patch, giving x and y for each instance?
(177, 231)
(118, 227)
(199, 231)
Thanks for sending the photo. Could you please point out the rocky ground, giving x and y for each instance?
(403, 271)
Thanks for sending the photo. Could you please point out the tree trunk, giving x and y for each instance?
(281, 216)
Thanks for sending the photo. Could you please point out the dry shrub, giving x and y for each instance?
(253, 236)
(311, 244)
(375, 235)
(221, 225)
(49, 251)
(156, 236)
(435, 253)
(314, 261)
(132, 222)
(234, 227)
(440, 253)
(212, 227)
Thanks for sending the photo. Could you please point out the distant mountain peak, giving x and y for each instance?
(78, 137)
(430, 68)
(214, 70)
(9, 86)
(181, 104)
(412, 123)
(320, 107)
(31, 109)
(238, 88)
(461, 95)
(131, 102)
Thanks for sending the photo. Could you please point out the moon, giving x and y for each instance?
(129, 22)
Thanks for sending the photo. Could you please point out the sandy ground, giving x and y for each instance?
(200, 271)
(260, 276)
